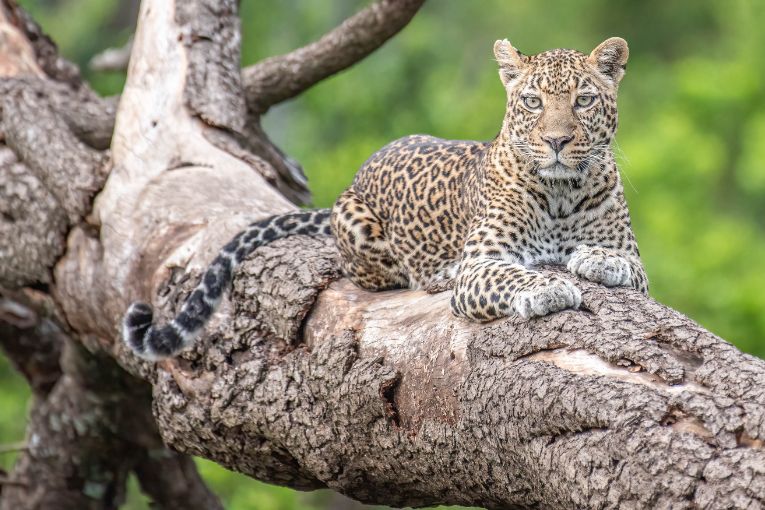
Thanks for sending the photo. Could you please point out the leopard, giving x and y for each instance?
(477, 218)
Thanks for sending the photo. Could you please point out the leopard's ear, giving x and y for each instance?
(511, 61)
(610, 59)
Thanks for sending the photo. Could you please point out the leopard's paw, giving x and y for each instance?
(600, 265)
(547, 296)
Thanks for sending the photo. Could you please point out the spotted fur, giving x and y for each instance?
(429, 213)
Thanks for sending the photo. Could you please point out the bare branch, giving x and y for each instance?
(112, 59)
(282, 77)
(279, 78)
(171, 479)
(13, 447)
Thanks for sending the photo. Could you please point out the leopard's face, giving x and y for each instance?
(561, 110)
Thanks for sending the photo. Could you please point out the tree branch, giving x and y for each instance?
(112, 59)
(50, 122)
(90, 424)
(279, 78)
(87, 434)
(291, 181)
(31, 337)
(386, 397)
(33, 218)
(70, 170)
(27, 52)
(80, 443)
(306, 381)
(171, 479)
(46, 163)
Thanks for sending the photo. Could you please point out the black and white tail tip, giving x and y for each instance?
(154, 342)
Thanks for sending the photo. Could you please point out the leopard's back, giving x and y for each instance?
(422, 189)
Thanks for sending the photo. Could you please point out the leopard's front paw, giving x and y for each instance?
(547, 296)
(600, 265)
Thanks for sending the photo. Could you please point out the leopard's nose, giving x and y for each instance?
(557, 142)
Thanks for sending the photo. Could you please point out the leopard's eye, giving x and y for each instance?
(532, 102)
(584, 101)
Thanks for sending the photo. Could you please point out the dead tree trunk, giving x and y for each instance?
(306, 381)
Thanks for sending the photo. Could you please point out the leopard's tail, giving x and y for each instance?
(153, 341)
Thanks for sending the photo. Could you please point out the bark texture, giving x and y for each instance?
(303, 380)
(52, 127)
(90, 423)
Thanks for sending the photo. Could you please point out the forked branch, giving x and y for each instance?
(279, 78)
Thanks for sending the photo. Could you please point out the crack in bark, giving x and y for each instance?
(388, 394)
(580, 361)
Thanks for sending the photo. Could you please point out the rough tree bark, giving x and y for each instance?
(90, 423)
(306, 381)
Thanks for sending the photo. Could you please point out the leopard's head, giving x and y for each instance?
(561, 106)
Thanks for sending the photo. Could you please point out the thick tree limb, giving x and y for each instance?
(48, 180)
(25, 52)
(86, 435)
(90, 425)
(80, 443)
(30, 216)
(387, 397)
(277, 79)
(69, 169)
(50, 174)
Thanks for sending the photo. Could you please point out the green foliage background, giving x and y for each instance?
(690, 143)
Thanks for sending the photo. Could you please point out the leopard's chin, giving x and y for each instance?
(558, 171)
